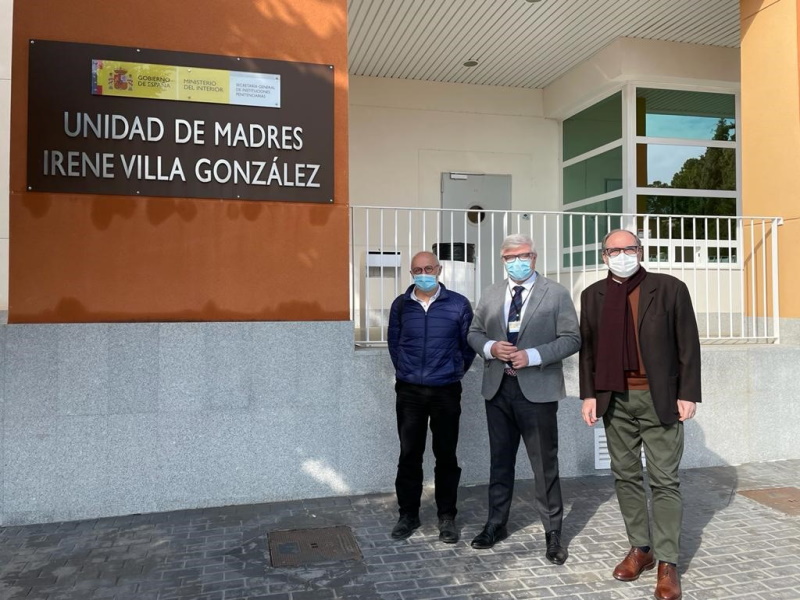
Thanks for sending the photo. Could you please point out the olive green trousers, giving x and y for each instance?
(631, 422)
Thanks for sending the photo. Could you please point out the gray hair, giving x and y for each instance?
(517, 239)
(613, 231)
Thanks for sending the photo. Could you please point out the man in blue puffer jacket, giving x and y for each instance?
(428, 326)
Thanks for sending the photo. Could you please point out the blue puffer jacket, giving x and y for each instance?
(430, 348)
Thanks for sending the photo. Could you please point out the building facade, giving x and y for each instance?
(167, 352)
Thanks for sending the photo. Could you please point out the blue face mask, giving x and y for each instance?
(425, 282)
(519, 270)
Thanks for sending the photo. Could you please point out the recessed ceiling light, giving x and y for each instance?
(533, 1)
(471, 63)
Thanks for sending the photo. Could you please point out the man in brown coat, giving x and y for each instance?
(640, 372)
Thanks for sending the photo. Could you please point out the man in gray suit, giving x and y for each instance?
(524, 327)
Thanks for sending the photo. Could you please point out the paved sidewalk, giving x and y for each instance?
(733, 547)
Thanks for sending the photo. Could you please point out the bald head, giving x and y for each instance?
(619, 238)
(424, 258)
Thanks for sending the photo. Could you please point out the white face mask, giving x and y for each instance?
(623, 265)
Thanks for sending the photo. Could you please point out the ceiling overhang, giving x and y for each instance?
(517, 43)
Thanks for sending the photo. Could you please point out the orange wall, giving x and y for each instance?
(82, 258)
(770, 129)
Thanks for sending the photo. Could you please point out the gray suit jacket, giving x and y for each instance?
(549, 324)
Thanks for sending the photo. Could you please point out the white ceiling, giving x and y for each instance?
(518, 43)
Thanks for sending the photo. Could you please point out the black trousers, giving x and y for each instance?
(416, 406)
(511, 417)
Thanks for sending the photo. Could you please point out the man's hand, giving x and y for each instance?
(589, 411)
(519, 359)
(686, 409)
(503, 351)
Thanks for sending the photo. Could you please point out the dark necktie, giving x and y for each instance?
(514, 311)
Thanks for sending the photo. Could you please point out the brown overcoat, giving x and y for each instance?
(668, 340)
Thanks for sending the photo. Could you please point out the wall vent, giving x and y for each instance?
(601, 458)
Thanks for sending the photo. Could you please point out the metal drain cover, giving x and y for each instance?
(300, 547)
(786, 499)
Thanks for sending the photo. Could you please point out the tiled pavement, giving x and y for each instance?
(733, 547)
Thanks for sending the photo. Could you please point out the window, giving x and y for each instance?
(593, 176)
(592, 179)
(596, 126)
(686, 168)
(583, 233)
(683, 114)
(684, 155)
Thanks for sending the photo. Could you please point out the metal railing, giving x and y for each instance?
(730, 264)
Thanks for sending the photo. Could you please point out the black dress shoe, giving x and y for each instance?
(556, 553)
(405, 527)
(491, 534)
(447, 531)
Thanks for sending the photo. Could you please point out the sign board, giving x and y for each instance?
(132, 121)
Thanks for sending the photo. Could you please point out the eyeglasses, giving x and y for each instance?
(509, 258)
(426, 269)
(629, 250)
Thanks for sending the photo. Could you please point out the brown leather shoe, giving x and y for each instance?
(632, 565)
(669, 582)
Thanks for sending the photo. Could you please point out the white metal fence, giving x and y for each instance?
(730, 264)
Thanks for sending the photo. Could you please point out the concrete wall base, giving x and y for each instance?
(112, 419)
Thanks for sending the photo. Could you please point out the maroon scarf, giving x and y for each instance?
(616, 344)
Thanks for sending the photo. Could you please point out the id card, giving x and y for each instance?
(513, 326)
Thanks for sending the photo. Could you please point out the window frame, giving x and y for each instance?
(630, 191)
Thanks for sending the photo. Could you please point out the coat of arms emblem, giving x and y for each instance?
(120, 80)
